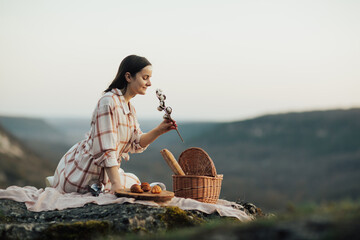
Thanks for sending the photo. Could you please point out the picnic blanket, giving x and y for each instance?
(48, 199)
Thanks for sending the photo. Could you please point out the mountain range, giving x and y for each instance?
(272, 160)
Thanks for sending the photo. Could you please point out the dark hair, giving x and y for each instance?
(132, 64)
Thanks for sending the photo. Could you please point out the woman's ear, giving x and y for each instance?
(128, 77)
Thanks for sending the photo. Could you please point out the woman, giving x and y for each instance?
(114, 132)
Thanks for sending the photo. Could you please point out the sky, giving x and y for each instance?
(214, 60)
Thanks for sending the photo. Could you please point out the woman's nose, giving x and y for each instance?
(148, 83)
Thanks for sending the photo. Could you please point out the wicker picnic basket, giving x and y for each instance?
(200, 182)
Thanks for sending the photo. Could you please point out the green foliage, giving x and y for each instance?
(345, 208)
(174, 217)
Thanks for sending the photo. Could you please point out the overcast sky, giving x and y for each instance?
(215, 60)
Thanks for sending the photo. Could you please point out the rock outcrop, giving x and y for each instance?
(92, 220)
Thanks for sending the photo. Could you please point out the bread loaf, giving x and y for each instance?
(171, 161)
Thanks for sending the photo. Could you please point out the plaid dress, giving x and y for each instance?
(114, 132)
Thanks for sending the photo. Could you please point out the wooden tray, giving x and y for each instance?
(161, 197)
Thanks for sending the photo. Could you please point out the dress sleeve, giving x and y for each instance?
(105, 137)
(135, 144)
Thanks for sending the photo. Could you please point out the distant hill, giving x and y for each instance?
(293, 157)
(72, 129)
(31, 128)
(37, 134)
(271, 160)
(274, 159)
(52, 137)
(19, 165)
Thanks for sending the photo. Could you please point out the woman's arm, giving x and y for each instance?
(163, 127)
(114, 177)
(145, 140)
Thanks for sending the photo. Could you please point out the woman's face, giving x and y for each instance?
(141, 81)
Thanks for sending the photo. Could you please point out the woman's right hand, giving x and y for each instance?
(114, 177)
(115, 187)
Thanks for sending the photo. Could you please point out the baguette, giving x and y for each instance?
(171, 161)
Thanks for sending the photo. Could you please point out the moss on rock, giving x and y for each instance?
(174, 218)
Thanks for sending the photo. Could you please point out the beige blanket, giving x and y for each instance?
(47, 199)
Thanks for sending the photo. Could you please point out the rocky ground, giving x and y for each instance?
(93, 221)
(339, 220)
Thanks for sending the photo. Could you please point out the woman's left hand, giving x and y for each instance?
(167, 125)
(163, 127)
